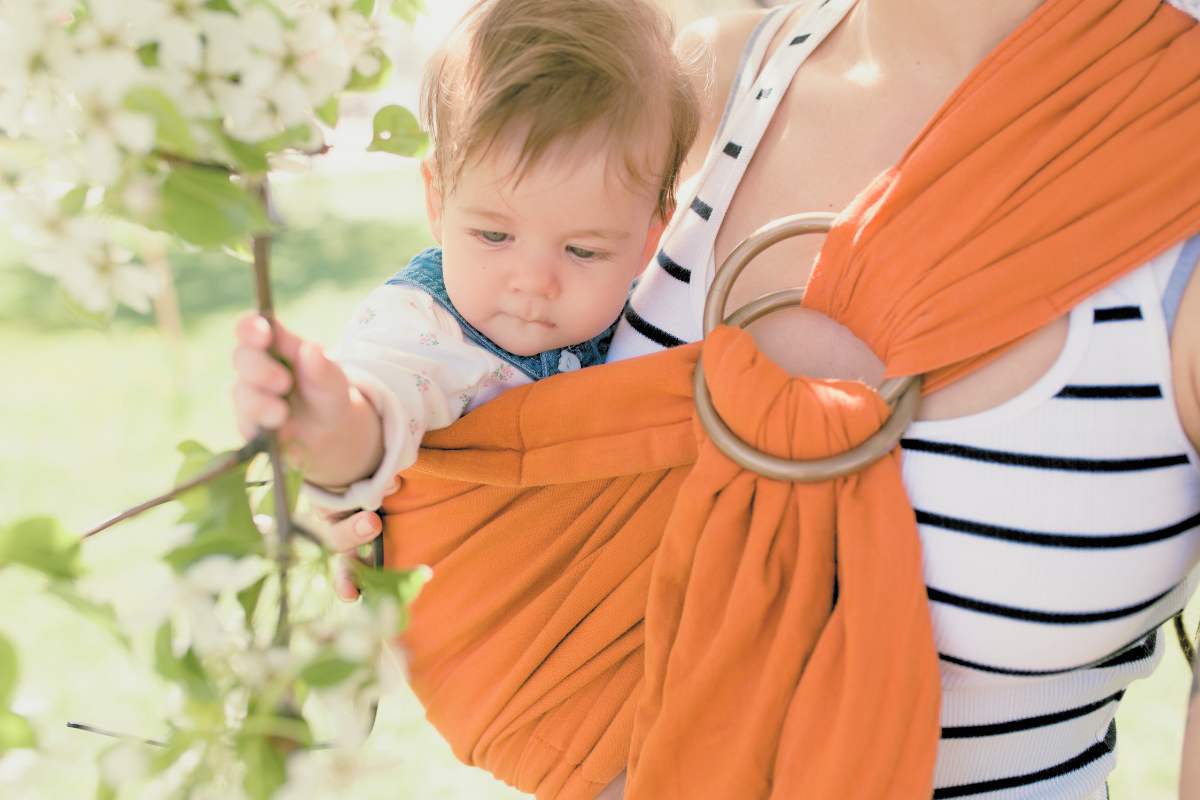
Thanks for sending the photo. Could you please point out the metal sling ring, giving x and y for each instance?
(901, 394)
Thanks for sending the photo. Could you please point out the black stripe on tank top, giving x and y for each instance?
(656, 335)
(1130, 655)
(1033, 615)
(1070, 540)
(1029, 723)
(1147, 392)
(702, 208)
(674, 268)
(1138, 651)
(1116, 314)
(1094, 753)
(1044, 462)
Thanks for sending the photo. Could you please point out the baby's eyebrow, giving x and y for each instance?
(600, 233)
(484, 212)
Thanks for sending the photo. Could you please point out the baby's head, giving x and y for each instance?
(559, 128)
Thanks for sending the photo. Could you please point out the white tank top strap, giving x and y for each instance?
(752, 57)
(1174, 282)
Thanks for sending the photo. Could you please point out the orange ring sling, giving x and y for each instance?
(611, 590)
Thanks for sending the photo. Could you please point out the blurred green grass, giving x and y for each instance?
(88, 424)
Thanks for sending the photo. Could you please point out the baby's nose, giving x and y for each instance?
(536, 276)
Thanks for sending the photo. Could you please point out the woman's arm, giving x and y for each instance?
(1185, 357)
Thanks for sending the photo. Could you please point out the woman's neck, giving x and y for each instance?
(939, 39)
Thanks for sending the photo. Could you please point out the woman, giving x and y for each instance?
(1025, 719)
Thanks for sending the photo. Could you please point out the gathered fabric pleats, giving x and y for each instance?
(610, 591)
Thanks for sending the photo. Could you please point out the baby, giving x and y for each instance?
(558, 128)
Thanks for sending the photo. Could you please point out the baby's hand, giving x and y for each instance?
(334, 428)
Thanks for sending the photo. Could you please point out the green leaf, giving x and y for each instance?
(364, 7)
(284, 731)
(407, 10)
(44, 545)
(220, 5)
(397, 131)
(328, 670)
(248, 598)
(148, 54)
(211, 543)
(295, 481)
(251, 157)
(72, 202)
(99, 613)
(372, 83)
(8, 671)
(195, 457)
(219, 509)
(15, 732)
(265, 766)
(185, 671)
(178, 743)
(402, 585)
(173, 133)
(329, 112)
(203, 207)
(104, 791)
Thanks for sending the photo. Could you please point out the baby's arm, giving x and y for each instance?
(406, 355)
(335, 428)
(400, 368)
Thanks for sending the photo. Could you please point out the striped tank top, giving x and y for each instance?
(1059, 530)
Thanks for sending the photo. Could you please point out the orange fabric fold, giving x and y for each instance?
(608, 588)
(541, 519)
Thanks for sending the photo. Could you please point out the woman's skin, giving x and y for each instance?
(852, 109)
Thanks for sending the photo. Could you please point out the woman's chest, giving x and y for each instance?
(1062, 525)
(829, 138)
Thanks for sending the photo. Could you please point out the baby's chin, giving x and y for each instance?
(533, 338)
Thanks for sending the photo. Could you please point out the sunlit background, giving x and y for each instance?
(89, 419)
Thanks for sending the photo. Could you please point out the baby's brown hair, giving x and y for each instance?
(559, 70)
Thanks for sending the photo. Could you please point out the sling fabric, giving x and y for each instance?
(608, 586)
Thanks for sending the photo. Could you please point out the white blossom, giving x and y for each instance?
(15, 763)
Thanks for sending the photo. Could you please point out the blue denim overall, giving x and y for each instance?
(425, 273)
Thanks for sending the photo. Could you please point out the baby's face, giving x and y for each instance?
(545, 263)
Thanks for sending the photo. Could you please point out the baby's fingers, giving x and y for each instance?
(354, 531)
(254, 331)
(255, 409)
(343, 580)
(259, 370)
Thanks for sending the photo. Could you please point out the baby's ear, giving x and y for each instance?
(433, 200)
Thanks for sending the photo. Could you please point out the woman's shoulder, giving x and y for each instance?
(718, 42)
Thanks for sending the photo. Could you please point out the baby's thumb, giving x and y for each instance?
(318, 376)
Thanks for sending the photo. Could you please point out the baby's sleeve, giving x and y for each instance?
(408, 358)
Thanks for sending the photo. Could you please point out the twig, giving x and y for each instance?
(93, 729)
(226, 464)
(1189, 649)
(283, 514)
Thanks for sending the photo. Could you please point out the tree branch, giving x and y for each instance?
(283, 514)
(226, 464)
(80, 726)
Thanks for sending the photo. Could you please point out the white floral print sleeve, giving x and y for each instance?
(409, 358)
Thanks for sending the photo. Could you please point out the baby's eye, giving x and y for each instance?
(495, 237)
(579, 252)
